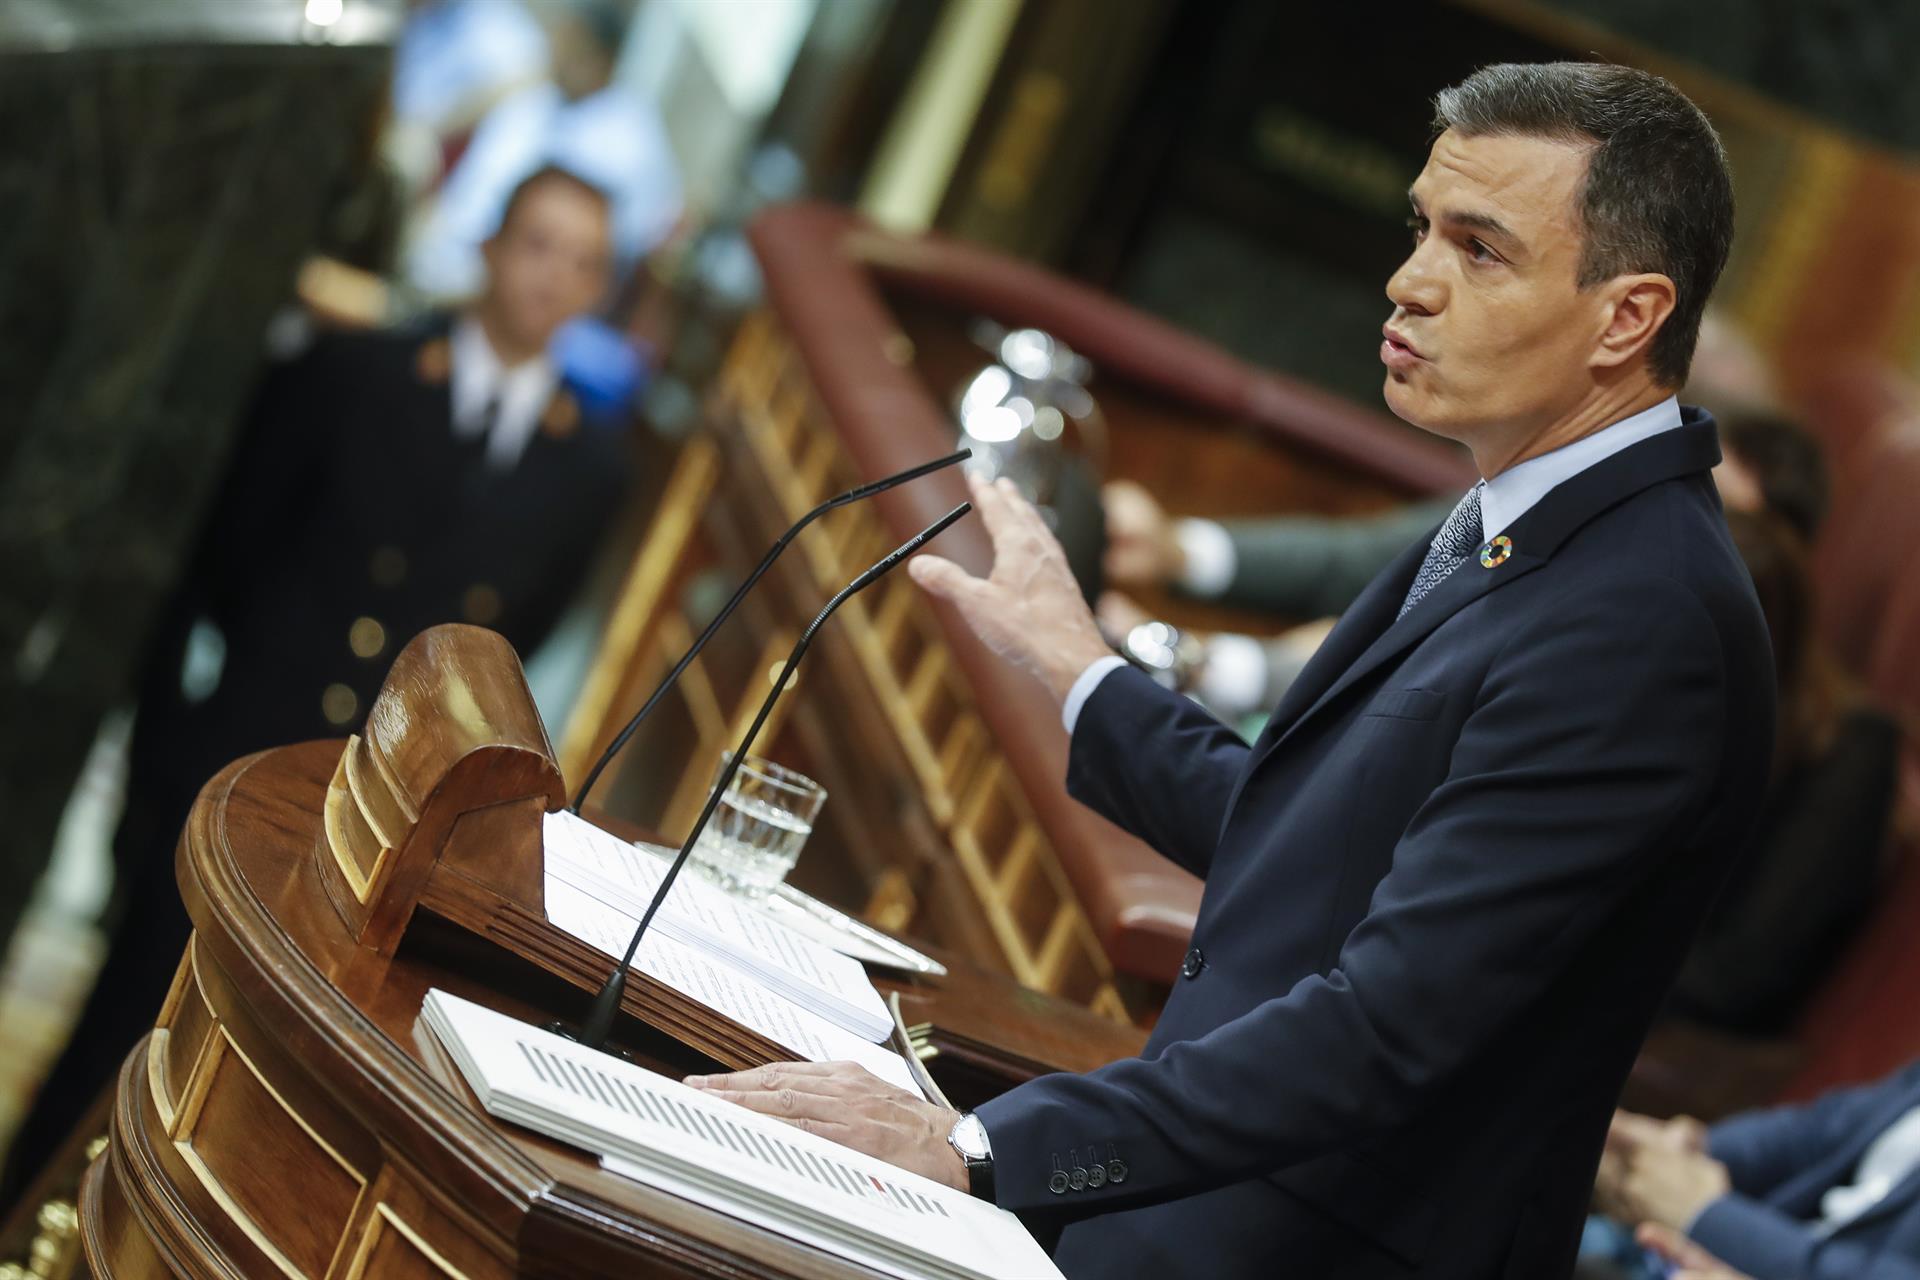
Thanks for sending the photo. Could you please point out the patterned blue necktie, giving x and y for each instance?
(1457, 539)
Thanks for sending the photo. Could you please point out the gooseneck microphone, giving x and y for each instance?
(766, 562)
(593, 1032)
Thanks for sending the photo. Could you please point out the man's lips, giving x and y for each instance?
(1396, 352)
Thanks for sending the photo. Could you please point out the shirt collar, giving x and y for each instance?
(1515, 491)
(478, 377)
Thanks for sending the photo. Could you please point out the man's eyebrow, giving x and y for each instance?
(1480, 222)
(1484, 222)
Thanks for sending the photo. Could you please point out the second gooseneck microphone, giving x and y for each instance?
(766, 562)
(599, 1021)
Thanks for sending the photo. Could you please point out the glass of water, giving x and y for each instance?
(758, 827)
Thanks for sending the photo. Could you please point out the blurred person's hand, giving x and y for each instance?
(1028, 610)
(1658, 1181)
(1614, 1191)
(1694, 1262)
(1119, 613)
(1142, 550)
(1303, 641)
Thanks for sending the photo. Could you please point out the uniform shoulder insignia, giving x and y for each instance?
(562, 417)
(434, 361)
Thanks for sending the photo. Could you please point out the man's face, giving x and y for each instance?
(1491, 340)
(548, 264)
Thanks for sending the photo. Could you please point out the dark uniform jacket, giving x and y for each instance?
(1446, 891)
(352, 519)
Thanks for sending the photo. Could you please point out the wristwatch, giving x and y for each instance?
(969, 1137)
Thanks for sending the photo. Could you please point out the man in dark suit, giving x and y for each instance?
(1449, 885)
(384, 482)
(1831, 1189)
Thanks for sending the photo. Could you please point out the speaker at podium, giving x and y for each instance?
(292, 1113)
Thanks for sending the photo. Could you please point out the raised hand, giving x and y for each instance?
(1028, 610)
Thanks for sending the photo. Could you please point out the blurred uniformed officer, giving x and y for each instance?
(384, 482)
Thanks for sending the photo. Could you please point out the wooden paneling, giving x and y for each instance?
(252, 1153)
(312, 1132)
(893, 663)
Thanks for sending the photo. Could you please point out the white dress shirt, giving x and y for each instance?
(1503, 499)
(1892, 1158)
(477, 379)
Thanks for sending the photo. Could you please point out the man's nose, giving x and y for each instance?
(1414, 287)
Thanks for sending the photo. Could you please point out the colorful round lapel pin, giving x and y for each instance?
(1495, 553)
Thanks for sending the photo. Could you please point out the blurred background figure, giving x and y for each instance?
(578, 118)
(1791, 906)
(386, 481)
(1793, 1193)
(455, 60)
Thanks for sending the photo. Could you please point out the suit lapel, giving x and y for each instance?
(1839, 1170)
(1370, 614)
(1376, 639)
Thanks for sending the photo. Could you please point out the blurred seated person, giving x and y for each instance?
(1826, 1191)
(383, 482)
(578, 120)
(1803, 891)
(1682, 1258)
(1312, 566)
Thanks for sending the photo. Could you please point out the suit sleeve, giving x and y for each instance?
(1314, 566)
(1765, 1148)
(1157, 764)
(1583, 760)
(1759, 1240)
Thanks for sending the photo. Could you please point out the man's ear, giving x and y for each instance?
(1637, 306)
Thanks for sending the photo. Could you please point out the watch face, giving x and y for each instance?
(969, 1138)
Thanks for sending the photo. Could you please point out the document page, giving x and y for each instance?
(726, 990)
(728, 1158)
(709, 919)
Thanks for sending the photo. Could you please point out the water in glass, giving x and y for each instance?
(758, 828)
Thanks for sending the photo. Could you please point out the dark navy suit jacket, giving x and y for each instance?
(1446, 890)
(1784, 1160)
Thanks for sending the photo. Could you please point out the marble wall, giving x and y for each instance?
(154, 203)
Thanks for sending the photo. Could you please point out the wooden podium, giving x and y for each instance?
(285, 1117)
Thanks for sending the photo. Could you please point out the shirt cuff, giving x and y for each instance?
(1207, 549)
(1233, 679)
(1082, 689)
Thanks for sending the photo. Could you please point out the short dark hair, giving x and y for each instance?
(1658, 194)
(540, 177)
(1787, 461)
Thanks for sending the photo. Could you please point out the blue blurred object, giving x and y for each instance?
(1605, 1239)
(606, 368)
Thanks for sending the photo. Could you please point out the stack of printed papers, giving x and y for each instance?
(709, 920)
(749, 1166)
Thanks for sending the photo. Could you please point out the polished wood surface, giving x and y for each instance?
(287, 1117)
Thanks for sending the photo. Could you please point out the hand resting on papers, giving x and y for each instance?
(846, 1103)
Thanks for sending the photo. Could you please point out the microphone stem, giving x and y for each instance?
(606, 1006)
(856, 494)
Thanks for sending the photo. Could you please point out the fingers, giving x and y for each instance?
(775, 1075)
(1006, 512)
(942, 577)
(990, 500)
